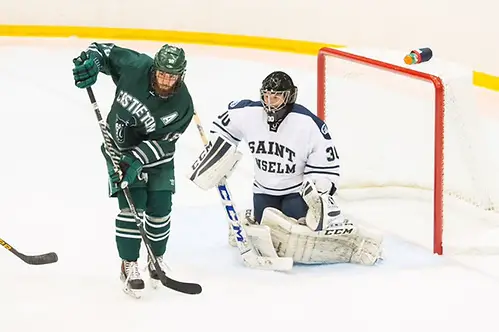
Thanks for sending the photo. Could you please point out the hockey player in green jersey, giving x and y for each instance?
(152, 107)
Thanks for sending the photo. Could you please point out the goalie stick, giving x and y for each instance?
(249, 255)
(179, 286)
(42, 259)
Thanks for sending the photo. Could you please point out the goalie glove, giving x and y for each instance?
(323, 213)
(216, 162)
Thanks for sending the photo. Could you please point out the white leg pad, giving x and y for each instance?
(307, 247)
(259, 235)
(246, 218)
(261, 240)
(368, 248)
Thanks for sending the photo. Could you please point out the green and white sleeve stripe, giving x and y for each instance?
(151, 154)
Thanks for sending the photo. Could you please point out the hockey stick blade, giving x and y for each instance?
(43, 259)
(179, 286)
(182, 287)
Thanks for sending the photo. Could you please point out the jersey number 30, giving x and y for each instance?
(224, 118)
(332, 154)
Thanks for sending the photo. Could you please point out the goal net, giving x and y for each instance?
(417, 155)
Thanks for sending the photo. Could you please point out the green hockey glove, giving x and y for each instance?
(130, 168)
(85, 71)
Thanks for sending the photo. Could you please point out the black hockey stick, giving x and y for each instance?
(42, 259)
(179, 286)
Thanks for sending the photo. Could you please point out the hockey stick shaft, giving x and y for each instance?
(42, 259)
(225, 195)
(248, 254)
(165, 280)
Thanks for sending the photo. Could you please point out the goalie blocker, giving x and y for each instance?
(217, 161)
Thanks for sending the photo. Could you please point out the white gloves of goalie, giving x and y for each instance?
(323, 213)
(216, 162)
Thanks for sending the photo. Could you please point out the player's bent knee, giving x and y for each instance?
(159, 203)
(127, 212)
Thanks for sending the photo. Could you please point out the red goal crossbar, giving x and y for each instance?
(439, 121)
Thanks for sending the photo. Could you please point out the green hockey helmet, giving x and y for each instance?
(168, 70)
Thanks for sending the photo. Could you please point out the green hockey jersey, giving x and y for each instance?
(141, 123)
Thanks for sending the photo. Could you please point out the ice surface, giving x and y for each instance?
(54, 198)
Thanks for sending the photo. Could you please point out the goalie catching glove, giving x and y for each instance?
(216, 162)
(323, 212)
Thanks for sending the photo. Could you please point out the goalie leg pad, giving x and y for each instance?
(246, 218)
(261, 239)
(216, 162)
(368, 248)
(307, 247)
(262, 254)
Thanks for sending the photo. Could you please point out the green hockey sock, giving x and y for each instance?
(158, 232)
(128, 237)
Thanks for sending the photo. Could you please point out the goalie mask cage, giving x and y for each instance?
(411, 132)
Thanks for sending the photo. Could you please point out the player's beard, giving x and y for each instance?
(165, 90)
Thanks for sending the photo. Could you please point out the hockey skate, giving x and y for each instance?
(153, 274)
(130, 276)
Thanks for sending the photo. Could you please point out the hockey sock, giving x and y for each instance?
(158, 232)
(128, 236)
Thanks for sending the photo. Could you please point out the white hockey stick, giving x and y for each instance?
(250, 256)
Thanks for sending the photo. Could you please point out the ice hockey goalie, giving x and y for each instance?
(297, 168)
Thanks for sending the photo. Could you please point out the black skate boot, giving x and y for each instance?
(130, 275)
(153, 274)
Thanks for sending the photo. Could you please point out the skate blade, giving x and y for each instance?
(134, 293)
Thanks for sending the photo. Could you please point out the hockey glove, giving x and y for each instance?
(323, 212)
(85, 71)
(130, 169)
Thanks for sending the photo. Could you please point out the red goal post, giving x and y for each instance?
(439, 112)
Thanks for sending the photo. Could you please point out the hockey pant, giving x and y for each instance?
(292, 205)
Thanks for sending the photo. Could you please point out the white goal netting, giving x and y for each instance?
(383, 123)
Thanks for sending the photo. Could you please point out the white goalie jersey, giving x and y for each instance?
(300, 146)
(296, 156)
